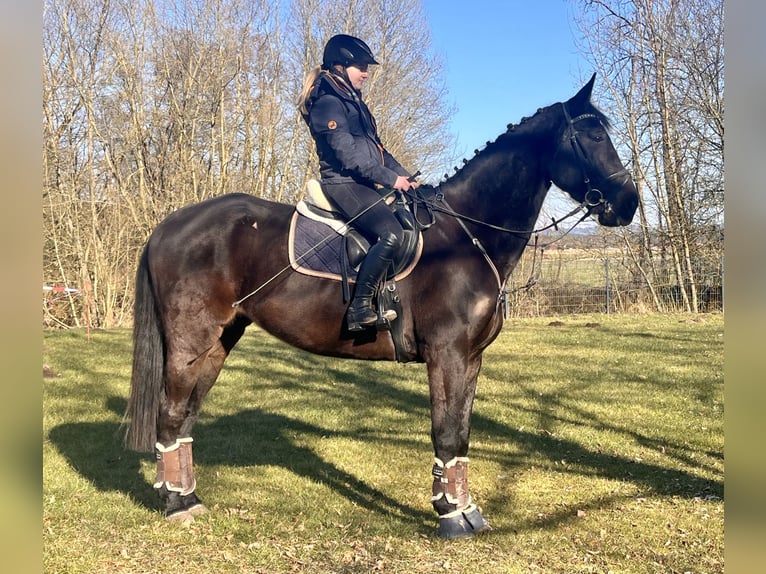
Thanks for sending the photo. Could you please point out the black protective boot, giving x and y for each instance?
(360, 314)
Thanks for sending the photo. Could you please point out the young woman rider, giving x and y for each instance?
(353, 163)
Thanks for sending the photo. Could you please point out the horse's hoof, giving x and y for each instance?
(192, 504)
(463, 524)
(454, 527)
(197, 509)
(183, 517)
(476, 520)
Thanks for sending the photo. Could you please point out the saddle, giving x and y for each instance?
(322, 244)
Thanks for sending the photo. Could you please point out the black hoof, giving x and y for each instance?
(193, 505)
(181, 508)
(463, 524)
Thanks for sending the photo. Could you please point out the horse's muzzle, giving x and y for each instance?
(620, 205)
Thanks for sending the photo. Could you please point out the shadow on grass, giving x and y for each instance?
(96, 452)
(255, 437)
(540, 449)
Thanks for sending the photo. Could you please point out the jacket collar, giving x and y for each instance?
(337, 84)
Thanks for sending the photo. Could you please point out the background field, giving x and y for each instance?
(597, 446)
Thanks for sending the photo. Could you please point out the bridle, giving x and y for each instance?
(593, 200)
(593, 203)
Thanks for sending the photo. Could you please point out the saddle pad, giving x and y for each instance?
(315, 249)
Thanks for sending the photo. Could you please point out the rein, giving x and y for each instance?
(502, 296)
(592, 203)
(501, 283)
(447, 210)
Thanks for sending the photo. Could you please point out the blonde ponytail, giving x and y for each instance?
(308, 85)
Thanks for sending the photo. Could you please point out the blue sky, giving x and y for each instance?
(504, 59)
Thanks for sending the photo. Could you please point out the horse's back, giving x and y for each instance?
(209, 244)
(219, 213)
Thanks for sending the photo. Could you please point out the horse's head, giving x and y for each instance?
(587, 166)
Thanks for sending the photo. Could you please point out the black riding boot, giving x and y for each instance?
(360, 313)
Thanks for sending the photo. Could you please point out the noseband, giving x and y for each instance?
(594, 200)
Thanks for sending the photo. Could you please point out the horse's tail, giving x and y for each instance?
(147, 380)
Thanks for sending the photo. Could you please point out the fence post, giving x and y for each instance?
(608, 292)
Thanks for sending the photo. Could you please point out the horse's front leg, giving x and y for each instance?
(452, 383)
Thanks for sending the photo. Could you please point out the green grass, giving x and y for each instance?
(595, 448)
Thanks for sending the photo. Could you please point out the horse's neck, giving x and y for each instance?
(490, 188)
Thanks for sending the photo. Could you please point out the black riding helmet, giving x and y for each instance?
(346, 50)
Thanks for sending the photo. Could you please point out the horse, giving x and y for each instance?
(202, 262)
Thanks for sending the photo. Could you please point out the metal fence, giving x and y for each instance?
(559, 283)
(563, 284)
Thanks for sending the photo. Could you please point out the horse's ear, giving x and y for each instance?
(583, 96)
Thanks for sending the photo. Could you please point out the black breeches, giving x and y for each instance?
(368, 213)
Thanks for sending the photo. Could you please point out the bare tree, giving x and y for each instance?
(663, 61)
(84, 232)
(153, 104)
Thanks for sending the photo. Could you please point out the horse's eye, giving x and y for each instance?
(597, 137)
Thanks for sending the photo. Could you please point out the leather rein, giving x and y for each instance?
(593, 203)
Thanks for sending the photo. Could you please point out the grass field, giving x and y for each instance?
(597, 446)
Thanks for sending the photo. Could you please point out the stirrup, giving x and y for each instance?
(383, 322)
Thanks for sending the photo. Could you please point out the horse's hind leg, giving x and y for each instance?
(190, 374)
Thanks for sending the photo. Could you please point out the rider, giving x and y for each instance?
(353, 163)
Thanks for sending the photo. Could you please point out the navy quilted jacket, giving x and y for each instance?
(346, 136)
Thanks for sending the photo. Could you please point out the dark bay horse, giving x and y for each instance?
(205, 257)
